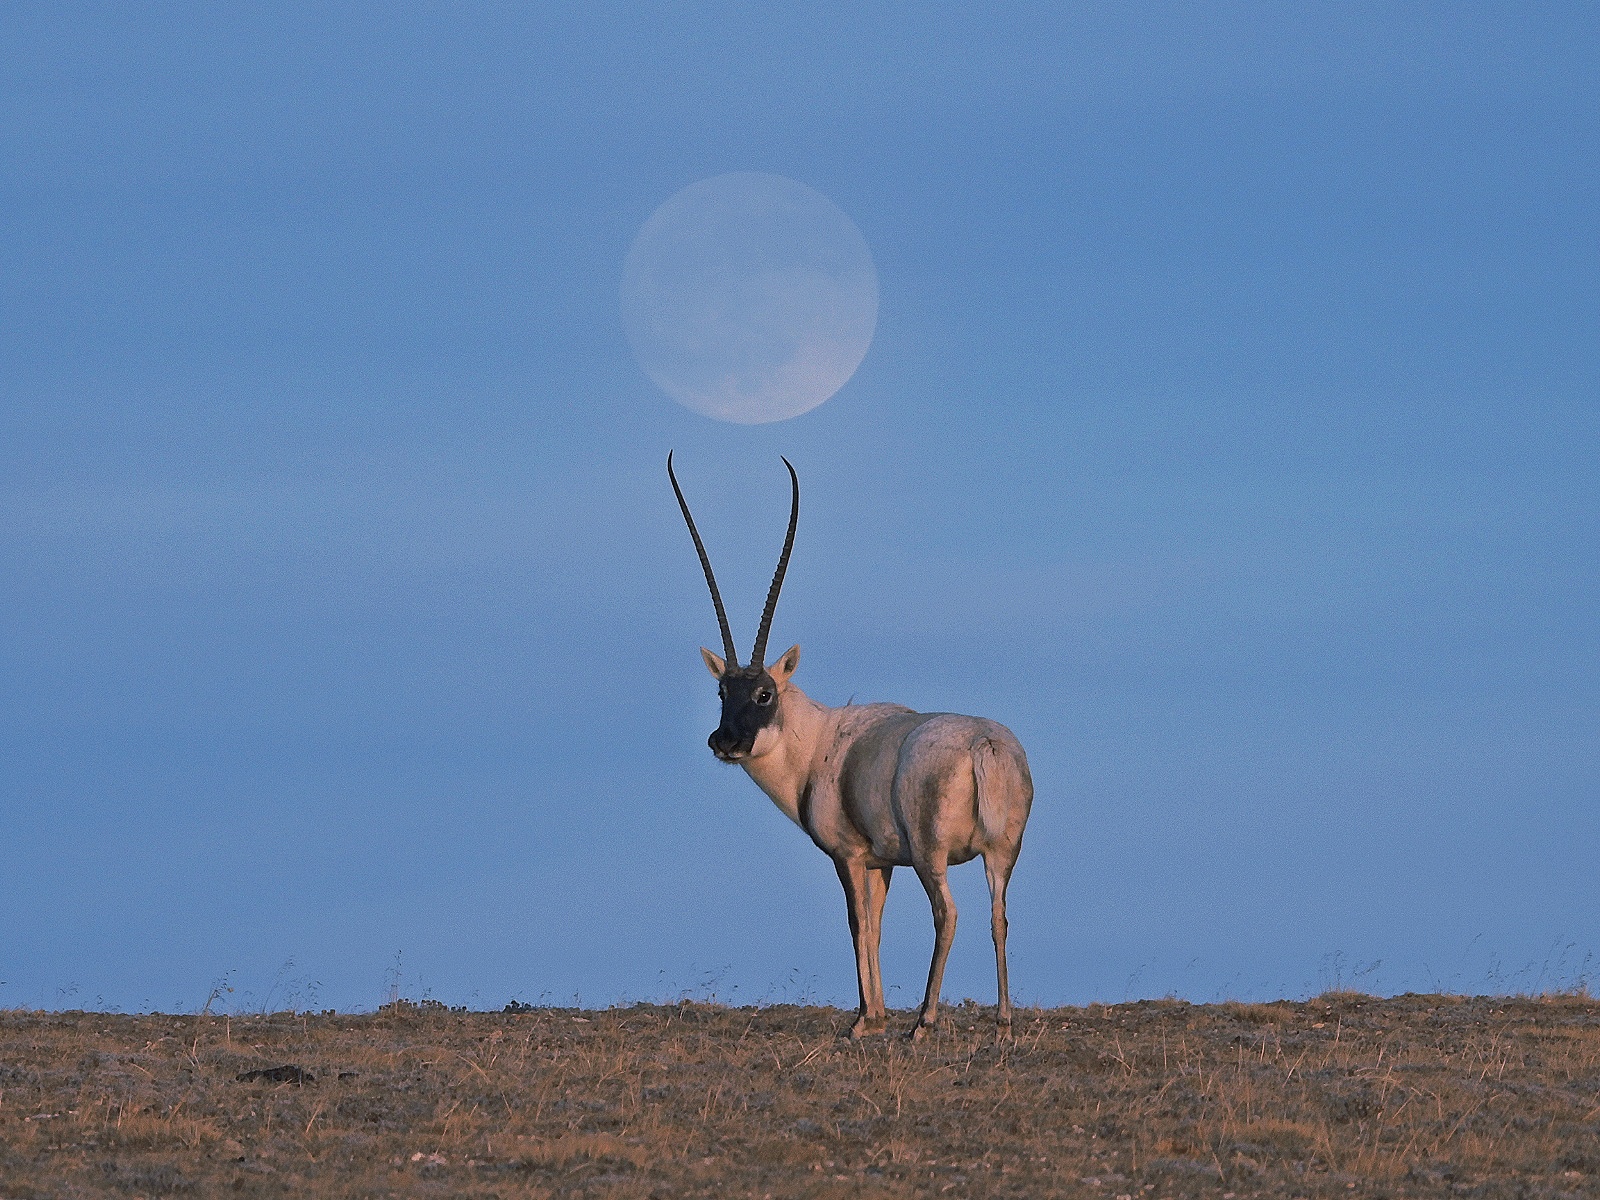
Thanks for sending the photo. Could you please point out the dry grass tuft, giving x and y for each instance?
(1341, 1095)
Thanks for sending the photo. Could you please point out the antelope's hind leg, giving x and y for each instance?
(997, 865)
(936, 882)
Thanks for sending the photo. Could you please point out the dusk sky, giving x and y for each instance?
(1229, 431)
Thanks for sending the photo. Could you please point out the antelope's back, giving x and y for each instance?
(963, 784)
(909, 782)
(870, 739)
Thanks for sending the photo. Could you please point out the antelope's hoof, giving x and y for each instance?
(920, 1030)
(1003, 1029)
(867, 1027)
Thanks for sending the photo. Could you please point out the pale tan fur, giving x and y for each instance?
(878, 786)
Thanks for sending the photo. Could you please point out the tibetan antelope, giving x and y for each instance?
(876, 786)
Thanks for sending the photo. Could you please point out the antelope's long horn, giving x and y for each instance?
(758, 656)
(728, 651)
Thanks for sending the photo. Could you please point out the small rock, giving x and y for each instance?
(287, 1073)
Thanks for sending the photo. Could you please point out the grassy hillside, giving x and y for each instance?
(1344, 1095)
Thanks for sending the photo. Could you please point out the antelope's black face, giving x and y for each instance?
(749, 706)
(750, 694)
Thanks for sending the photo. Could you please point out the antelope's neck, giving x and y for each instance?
(785, 772)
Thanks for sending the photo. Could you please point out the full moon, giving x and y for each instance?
(749, 298)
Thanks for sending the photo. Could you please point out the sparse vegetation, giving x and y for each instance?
(1338, 1096)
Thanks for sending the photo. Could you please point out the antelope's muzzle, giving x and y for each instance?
(725, 744)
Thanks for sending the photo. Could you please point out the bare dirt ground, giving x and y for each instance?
(1344, 1095)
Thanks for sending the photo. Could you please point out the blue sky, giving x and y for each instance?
(1230, 432)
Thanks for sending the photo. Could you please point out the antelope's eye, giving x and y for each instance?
(722, 691)
(763, 697)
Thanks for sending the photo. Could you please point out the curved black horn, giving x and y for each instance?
(705, 563)
(758, 655)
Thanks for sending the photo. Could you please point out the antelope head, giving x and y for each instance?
(752, 710)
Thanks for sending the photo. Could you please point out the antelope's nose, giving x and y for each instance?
(722, 742)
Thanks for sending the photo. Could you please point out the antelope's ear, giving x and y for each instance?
(713, 664)
(784, 667)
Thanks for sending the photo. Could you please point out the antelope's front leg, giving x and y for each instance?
(877, 893)
(853, 875)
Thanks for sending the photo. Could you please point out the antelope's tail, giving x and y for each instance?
(989, 771)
